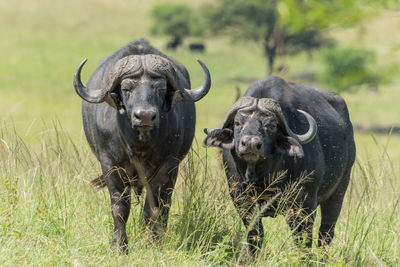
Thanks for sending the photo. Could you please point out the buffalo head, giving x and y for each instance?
(257, 130)
(144, 87)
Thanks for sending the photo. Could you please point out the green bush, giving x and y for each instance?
(347, 69)
(175, 20)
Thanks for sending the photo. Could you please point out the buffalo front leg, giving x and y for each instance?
(157, 206)
(301, 221)
(247, 210)
(255, 235)
(120, 196)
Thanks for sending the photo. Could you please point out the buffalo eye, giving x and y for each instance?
(270, 127)
(126, 91)
(160, 85)
(127, 86)
(237, 124)
(161, 89)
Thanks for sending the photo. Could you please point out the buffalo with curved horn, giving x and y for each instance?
(264, 158)
(139, 119)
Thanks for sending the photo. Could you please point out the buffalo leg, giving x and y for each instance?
(246, 209)
(301, 220)
(157, 206)
(255, 234)
(301, 223)
(120, 207)
(330, 210)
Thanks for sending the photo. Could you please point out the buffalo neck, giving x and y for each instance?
(149, 150)
(130, 136)
(262, 171)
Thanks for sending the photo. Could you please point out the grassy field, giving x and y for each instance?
(49, 215)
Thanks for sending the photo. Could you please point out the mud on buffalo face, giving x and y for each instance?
(257, 129)
(143, 86)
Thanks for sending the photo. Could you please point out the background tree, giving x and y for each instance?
(176, 21)
(285, 26)
(346, 69)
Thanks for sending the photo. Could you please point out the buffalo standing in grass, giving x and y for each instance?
(197, 47)
(139, 121)
(259, 144)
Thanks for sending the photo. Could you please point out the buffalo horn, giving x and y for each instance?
(92, 96)
(303, 138)
(312, 130)
(199, 92)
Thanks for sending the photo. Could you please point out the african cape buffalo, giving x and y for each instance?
(139, 120)
(264, 157)
(197, 47)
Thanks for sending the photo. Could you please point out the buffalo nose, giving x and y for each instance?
(145, 117)
(251, 144)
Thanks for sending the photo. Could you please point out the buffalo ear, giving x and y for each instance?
(289, 146)
(222, 138)
(170, 98)
(176, 97)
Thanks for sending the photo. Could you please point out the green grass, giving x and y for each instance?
(49, 215)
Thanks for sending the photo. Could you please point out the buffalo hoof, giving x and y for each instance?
(121, 245)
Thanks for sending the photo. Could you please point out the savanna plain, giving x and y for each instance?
(49, 214)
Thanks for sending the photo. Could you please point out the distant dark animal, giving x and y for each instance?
(139, 121)
(238, 93)
(197, 47)
(173, 45)
(259, 144)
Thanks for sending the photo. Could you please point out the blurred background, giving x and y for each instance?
(351, 47)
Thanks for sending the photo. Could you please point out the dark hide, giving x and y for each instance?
(197, 47)
(173, 45)
(270, 172)
(140, 132)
